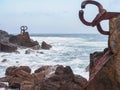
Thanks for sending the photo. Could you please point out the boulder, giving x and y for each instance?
(28, 51)
(63, 79)
(24, 40)
(4, 60)
(7, 47)
(10, 71)
(44, 45)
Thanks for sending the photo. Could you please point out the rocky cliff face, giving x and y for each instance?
(108, 78)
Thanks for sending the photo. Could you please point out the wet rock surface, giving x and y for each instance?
(44, 78)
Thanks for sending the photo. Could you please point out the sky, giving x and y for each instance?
(51, 16)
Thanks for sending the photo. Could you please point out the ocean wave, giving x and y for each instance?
(66, 51)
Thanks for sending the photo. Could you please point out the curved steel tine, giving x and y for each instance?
(101, 30)
(84, 3)
(81, 16)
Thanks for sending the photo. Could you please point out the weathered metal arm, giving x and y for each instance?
(102, 15)
(81, 16)
(100, 7)
(101, 30)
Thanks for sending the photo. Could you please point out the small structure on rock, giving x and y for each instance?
(24, 38)
(10, 43)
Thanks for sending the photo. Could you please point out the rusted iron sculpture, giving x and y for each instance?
(102, 15)
(23, 29)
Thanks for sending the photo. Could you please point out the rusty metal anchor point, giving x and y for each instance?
(102, 15)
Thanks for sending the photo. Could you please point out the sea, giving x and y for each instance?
(67, 49)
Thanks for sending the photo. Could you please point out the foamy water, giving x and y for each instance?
(68, 51)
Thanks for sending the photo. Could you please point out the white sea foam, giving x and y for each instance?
(66, 51)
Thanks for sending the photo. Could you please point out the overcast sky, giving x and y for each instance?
(50, 16)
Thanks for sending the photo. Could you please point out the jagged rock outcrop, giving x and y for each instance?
(44, 45)
(7, 47)
(24, 40)
(44, 78)
(108, 78)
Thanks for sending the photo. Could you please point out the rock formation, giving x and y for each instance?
(44, 45)
(24, 40)
(5, 46)
(44, 78)
(9, 43)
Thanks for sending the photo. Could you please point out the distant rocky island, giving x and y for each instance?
(10, 42)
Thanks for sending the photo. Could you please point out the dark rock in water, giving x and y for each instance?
(44, 45)
(17, 61)
(40, 52)
(28, 51)
(4, 60)
(7, 47)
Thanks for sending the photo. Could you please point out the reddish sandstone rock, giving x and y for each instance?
(45, 79)
(24, 68)
(63, 79)
(10, 71)
(26, 85)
